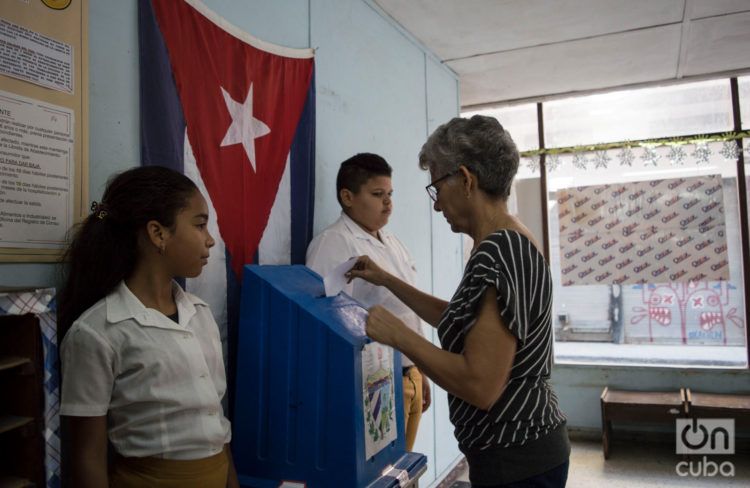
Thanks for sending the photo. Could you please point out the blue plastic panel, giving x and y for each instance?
(298, 402)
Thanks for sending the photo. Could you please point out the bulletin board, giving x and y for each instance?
(43, 126)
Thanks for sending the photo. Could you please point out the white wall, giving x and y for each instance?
(377, 90)
(447, 267)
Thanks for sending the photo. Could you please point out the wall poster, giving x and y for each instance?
(36, 169)
(43, 127)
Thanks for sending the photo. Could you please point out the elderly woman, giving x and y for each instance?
(496, 332)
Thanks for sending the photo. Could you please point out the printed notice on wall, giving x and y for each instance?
(36, 173)
(379, 400)
(33, 57)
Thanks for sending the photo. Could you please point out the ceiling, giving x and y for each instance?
(507, 50)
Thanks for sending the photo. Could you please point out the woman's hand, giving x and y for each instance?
(366, 269)
(382, 326)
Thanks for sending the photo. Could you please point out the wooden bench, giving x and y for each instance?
(665, 407)
(639, 406)
(721, 406)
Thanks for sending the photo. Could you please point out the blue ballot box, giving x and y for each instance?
(317, 403)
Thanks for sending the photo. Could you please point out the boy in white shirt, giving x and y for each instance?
(364, 191)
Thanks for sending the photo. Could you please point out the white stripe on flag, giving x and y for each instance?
(276, 243)
(211, 285)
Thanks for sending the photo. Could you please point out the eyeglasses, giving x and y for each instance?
(432, 190)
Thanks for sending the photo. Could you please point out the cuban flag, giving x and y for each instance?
(236, 115)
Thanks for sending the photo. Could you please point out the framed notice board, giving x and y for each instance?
(43, 126)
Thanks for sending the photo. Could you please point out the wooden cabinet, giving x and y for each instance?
(21, 402)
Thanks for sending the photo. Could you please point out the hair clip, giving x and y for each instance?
(98, 209)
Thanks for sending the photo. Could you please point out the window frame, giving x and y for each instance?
(742, 189)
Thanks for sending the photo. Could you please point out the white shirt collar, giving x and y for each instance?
(360, 233)
(122, 304)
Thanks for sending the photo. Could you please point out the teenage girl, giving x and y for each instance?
(142, 367)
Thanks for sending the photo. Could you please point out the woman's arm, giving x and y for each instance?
(478, 375)
(86, 443)
(428, 307)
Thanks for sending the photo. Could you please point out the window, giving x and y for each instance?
(647, 113)
(744, 88)
(643, 223)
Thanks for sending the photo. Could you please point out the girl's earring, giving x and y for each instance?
(161, 248)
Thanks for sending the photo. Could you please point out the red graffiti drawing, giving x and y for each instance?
(687, 305)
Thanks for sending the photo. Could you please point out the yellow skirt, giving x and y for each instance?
(210, 472)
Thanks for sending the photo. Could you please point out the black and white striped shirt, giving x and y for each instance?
(528, 408)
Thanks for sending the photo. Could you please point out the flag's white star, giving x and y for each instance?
(244, 128)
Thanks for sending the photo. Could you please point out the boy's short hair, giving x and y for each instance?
(355, 171)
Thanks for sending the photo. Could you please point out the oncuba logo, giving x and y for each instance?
(705, 436)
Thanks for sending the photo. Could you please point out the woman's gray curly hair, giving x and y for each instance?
(479, 143)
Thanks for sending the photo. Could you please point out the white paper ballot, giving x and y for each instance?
(335, 281)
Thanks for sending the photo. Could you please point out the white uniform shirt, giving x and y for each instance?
(159, 383)
(345, 239)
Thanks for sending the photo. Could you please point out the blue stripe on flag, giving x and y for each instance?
(162, 121)
(302, 165)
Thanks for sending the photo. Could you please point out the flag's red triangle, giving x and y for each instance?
(204, 59)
